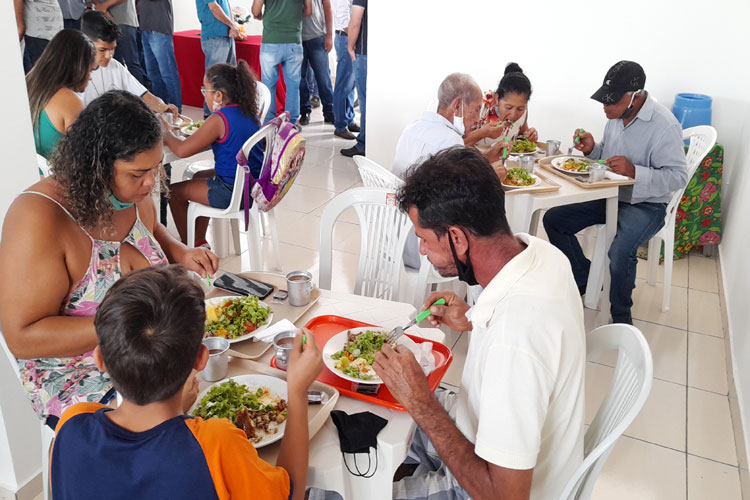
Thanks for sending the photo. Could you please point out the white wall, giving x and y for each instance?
(565, 48)
(20, 445)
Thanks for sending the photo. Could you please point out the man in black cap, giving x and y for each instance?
(642, 140)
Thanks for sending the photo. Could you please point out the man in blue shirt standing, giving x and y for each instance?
(218, 31)
(642, 140)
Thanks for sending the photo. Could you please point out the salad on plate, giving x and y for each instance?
(358, 354)
(235, 317)
(518, 177)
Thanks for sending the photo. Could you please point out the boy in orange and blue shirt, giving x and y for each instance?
(149, 328)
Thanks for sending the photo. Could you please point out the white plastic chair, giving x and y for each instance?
(631, 385)
(264, 100)
(383, 229)
(47, 434)
(234, 212)
(702, 140)
(43, 165)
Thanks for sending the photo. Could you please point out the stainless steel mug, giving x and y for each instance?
(218, 359)
(299, 285)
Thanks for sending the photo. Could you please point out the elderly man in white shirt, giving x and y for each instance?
(515, 430)
(459, 104)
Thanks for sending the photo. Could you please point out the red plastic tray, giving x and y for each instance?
(325, 327)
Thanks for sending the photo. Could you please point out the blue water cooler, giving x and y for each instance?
(692, 109)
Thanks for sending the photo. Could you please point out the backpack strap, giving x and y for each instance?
(249, 181)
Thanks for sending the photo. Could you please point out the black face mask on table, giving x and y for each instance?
(465, 271)
(357, 434)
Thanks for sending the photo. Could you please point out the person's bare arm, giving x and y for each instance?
(211, 130)
(328, 14)
(159, 106)
(201, 260)
(219, 14)
(257, 9)
(489, 131)
(481, 479)
(304, 367)
(36, 282)
(307, 8)
(355, 24)
(64, 108)
(18, 6)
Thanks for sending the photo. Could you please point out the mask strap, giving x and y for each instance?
(367, 474)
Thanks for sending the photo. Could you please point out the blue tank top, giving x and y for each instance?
(238, 128)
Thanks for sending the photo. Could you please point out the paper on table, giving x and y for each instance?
(422, 351)
(269, 333)
(615, 177)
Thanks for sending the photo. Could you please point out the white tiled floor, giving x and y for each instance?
(681, 446)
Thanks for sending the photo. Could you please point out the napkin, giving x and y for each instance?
(615, 177)
(269, 333)
(422, 351)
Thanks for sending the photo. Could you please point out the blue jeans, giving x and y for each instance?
(128, 54)
(219, 49)
(360, 72)
(314, 52)
(636, 224)
(161, 66)
(289, 56)
(343, 93)
(312, 85)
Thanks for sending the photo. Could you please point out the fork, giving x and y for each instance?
(397, 332)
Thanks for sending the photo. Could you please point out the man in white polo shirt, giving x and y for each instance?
(515, 430)
(110, 74)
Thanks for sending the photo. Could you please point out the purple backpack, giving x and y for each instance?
(283, 163)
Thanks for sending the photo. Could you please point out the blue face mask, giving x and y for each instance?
(117, 204)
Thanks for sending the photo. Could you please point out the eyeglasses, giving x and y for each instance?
(205, 90)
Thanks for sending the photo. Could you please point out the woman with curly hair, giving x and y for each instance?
(69, 237)
(63, 69)
(230, 92)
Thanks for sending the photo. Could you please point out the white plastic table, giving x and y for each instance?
(326, 467)
(523, 216)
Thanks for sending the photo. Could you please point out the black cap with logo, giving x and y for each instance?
(623, 77)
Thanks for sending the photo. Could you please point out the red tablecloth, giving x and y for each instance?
(191, 62)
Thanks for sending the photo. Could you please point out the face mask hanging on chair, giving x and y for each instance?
(357, 434)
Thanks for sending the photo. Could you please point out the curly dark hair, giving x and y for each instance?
(115, 126)
(238, 83)
(456, 187)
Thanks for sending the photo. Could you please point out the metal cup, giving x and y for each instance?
(283, 343)
(527, 163)
(299, 285)
(553, 147)
(597, 172)
(218, 359)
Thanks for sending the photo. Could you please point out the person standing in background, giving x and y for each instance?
(124, 14)
(157, 26)
(357, 47)
(317, 42)
(343, 92)
(71, 11)
(38, 21)
(282, 45)
(218, 31)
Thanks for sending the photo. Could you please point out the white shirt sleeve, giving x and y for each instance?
(127, 80)
(514, 400)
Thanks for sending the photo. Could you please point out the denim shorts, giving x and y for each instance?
(219, 192)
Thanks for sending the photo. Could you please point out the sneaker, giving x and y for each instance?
(329, 119)
(304, 119)
(344, 134)
(315, 101)
(352, 151)
(354, 128)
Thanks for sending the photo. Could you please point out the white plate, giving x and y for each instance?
(537, 181)
(336, 343)
(186, 131)
(557, 164)
(528, 153)
(216, 301)
(276, 386)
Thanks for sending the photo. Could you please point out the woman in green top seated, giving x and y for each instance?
(63, 69)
